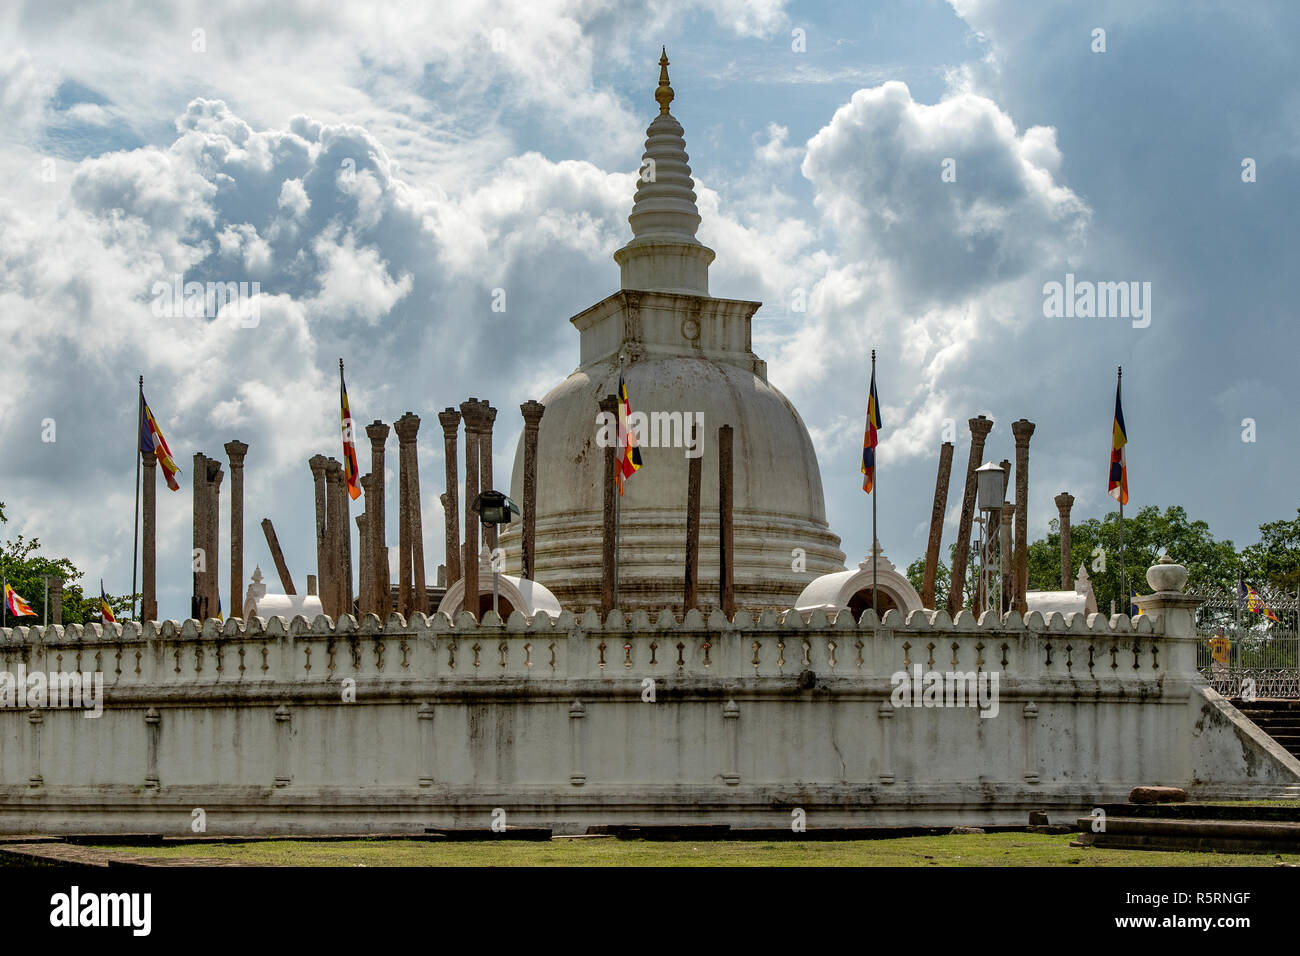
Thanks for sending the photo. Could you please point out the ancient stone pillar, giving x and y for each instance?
(1005, 521)
(936, 524)
(449, 418)
(317, 465)
(473, 413)
(281, 568)
(345, 531)
(235, 451)
(149, 566)
(726, 534)
(56, 600)
(343, 542)
(335, 530)
(1022, 430)
(1064, 501)
(364, 562)
(608, 544)
(200, 554)
(485, 464)
(532, 412)
(979, 431)
(411, 587)
(212, 514)
(691, 597)
(377, 432)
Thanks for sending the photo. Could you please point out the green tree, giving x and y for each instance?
(26, 569)
(1211, 564)
(943, 578)
(1275, 559)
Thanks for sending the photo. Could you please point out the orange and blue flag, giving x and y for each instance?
(1250, 599)
(629, 455)
(870, 439)
(15, 604)
(105, 612)
(151, 439)
(1118, 484)
(349, 440)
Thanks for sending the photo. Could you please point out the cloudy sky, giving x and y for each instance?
(380, 169)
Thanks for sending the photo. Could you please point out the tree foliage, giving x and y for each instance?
(26, 569)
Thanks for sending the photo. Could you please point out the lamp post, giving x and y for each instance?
(494, 509)
(990, 487)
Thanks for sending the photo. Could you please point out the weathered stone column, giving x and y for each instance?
(726, 534)
(410, 534)
(281, 568)
(608, 554)
(235, 451)
(365, 565)
(212, 513)
(377, 432)
(473, 413)
(936, 524)
(56, 600)
(449, 418)
(979, 431)
(1064, 501)
(1022, 430)
(532, 412)
(317, 465)
(200, 554)
(335, 529)
(485, 464)
(691, 597)
(345, 531)
(149, 565)
(1005, 522)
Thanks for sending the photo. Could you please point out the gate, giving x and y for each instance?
(1263, 656)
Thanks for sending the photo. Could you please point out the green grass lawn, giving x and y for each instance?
(992, 849)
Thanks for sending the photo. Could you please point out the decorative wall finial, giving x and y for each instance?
(664, 94)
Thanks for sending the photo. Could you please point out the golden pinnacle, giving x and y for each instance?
(664, 94)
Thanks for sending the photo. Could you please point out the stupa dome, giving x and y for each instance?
(685, 358)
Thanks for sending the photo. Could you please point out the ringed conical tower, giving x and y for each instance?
(685, 356)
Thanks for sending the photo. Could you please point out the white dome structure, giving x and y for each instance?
(513, 594)
(853, 589)
(686, 358)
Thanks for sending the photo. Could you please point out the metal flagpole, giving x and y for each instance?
(874, 493)
(135, 534)
(1123, 478)
(618, 500)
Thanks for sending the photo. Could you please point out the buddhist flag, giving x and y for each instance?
(1249, 599)
(15, 604)
(105, 612)
(629, 455)
(869, 439)
(349, 440)
(151, 439)
(1118, 486)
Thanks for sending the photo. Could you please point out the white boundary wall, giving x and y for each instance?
(546, 720)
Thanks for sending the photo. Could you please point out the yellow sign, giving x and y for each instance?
(1220, 648)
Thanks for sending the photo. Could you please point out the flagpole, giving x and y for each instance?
(1123, 574)
(874, 494)
(618, 500)
(135, 531)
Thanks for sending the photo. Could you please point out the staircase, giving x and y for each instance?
(1280, 719)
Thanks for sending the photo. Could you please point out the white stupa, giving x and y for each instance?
(684, 353)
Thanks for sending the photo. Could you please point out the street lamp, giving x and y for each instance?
(494, 509)
(990, 488)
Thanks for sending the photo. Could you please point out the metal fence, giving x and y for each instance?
(1262, 655)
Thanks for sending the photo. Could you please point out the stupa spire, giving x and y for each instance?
(664, 254)
(663, 95)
